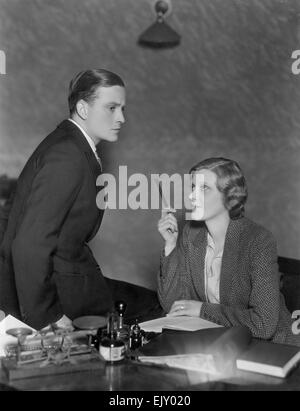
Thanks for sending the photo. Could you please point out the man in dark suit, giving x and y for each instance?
(47, 271)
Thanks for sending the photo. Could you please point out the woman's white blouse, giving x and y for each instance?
(212, 272)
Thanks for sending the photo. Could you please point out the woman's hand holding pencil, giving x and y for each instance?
(168, 229)
(167, 225)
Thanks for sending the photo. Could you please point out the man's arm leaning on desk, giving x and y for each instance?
(53, 192)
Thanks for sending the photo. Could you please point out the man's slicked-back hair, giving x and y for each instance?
(85, 84)
(230, 182)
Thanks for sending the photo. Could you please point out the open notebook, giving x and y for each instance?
(268, 358)
(210, 350)
(219, 349)
(183, 323)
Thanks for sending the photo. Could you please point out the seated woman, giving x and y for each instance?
(223, 267)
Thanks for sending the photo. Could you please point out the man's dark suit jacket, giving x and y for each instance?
(46, 267)
(249, 282)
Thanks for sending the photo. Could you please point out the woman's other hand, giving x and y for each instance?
(190, 308)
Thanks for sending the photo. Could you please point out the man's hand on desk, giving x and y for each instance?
(190, 308)
(64, 323)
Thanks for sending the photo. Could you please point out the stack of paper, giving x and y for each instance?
(183, 323)
(6, 324)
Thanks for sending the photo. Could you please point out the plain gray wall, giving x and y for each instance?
(227, 90)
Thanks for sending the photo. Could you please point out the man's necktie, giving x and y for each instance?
(98, 158)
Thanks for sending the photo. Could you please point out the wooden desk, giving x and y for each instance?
(129, 376)
(132, 376)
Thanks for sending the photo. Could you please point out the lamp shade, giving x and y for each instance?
(159, 35)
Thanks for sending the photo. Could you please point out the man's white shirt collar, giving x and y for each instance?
(89, 140)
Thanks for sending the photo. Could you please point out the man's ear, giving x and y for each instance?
(82, 109)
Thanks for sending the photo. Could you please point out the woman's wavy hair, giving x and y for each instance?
(230, 182)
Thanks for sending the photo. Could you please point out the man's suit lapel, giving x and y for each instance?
(95, 167)
(83, 145)
(229, 260)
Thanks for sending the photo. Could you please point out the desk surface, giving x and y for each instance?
(133, 376)
(129, 376)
